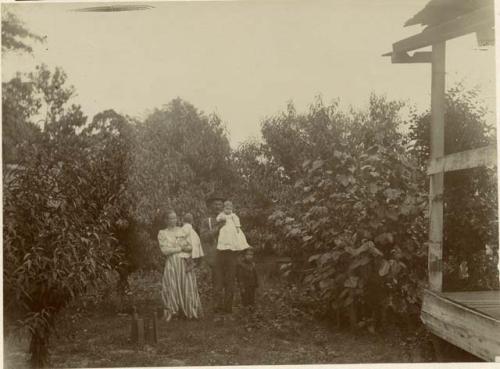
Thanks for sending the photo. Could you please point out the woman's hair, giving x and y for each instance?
(163, 217)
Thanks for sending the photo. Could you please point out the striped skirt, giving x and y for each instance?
(179, 290)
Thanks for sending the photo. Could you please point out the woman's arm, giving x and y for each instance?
(166, 246)
(186, 244)
(184, 240)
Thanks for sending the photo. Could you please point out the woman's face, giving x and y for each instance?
(171, 219)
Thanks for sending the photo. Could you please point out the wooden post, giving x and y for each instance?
(353, 317)
(435, 255)
(151, 328)
(155, 328)
(148, 329)
(137, 329)
(140, 332)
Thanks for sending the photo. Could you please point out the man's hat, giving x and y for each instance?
(215, 196)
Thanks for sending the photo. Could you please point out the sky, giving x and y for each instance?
(244, 60)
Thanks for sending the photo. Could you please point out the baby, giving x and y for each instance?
(231, 236)
(187, 227)
(190, 237)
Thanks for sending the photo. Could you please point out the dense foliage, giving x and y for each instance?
(57, 219)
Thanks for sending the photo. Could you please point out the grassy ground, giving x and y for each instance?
(97, 336)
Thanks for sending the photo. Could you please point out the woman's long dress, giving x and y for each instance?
(179, 289)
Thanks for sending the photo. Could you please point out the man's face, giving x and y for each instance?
(217, 206)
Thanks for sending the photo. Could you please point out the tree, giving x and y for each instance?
(291, 138)
(261, 184)
(177, 156)
(15, 35)
(58, 217)
(112, 135)
(19, 105)
(19, 101)
(180, 156)
(27, 101)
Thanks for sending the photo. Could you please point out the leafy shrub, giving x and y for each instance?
(359, 217)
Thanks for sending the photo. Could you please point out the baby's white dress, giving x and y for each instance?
(231, 237)
(197, 251)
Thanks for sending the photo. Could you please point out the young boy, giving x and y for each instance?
(247, 278)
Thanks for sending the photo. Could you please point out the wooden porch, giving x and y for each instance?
(469, 320)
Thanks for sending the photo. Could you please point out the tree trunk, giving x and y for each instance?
(39, 349)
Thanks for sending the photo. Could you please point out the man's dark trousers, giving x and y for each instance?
(225, 265)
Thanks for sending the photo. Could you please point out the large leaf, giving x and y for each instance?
(351, 282)
(384, 238)
(359, 262)
(317, 164)
(384, 268)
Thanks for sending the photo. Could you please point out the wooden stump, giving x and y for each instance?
(137, 329)
(353, 317)
(151, 329)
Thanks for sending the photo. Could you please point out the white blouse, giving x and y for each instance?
(171, 240)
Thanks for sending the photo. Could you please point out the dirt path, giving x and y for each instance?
(99, 337)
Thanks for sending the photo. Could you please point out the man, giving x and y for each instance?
(224, 262)
(209, 232)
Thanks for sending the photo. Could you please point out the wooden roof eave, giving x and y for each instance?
(480, 21)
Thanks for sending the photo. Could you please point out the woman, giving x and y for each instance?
(179, 290)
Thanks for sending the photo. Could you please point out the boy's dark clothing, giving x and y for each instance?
(247, 279)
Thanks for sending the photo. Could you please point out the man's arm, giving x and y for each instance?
(207, 234)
